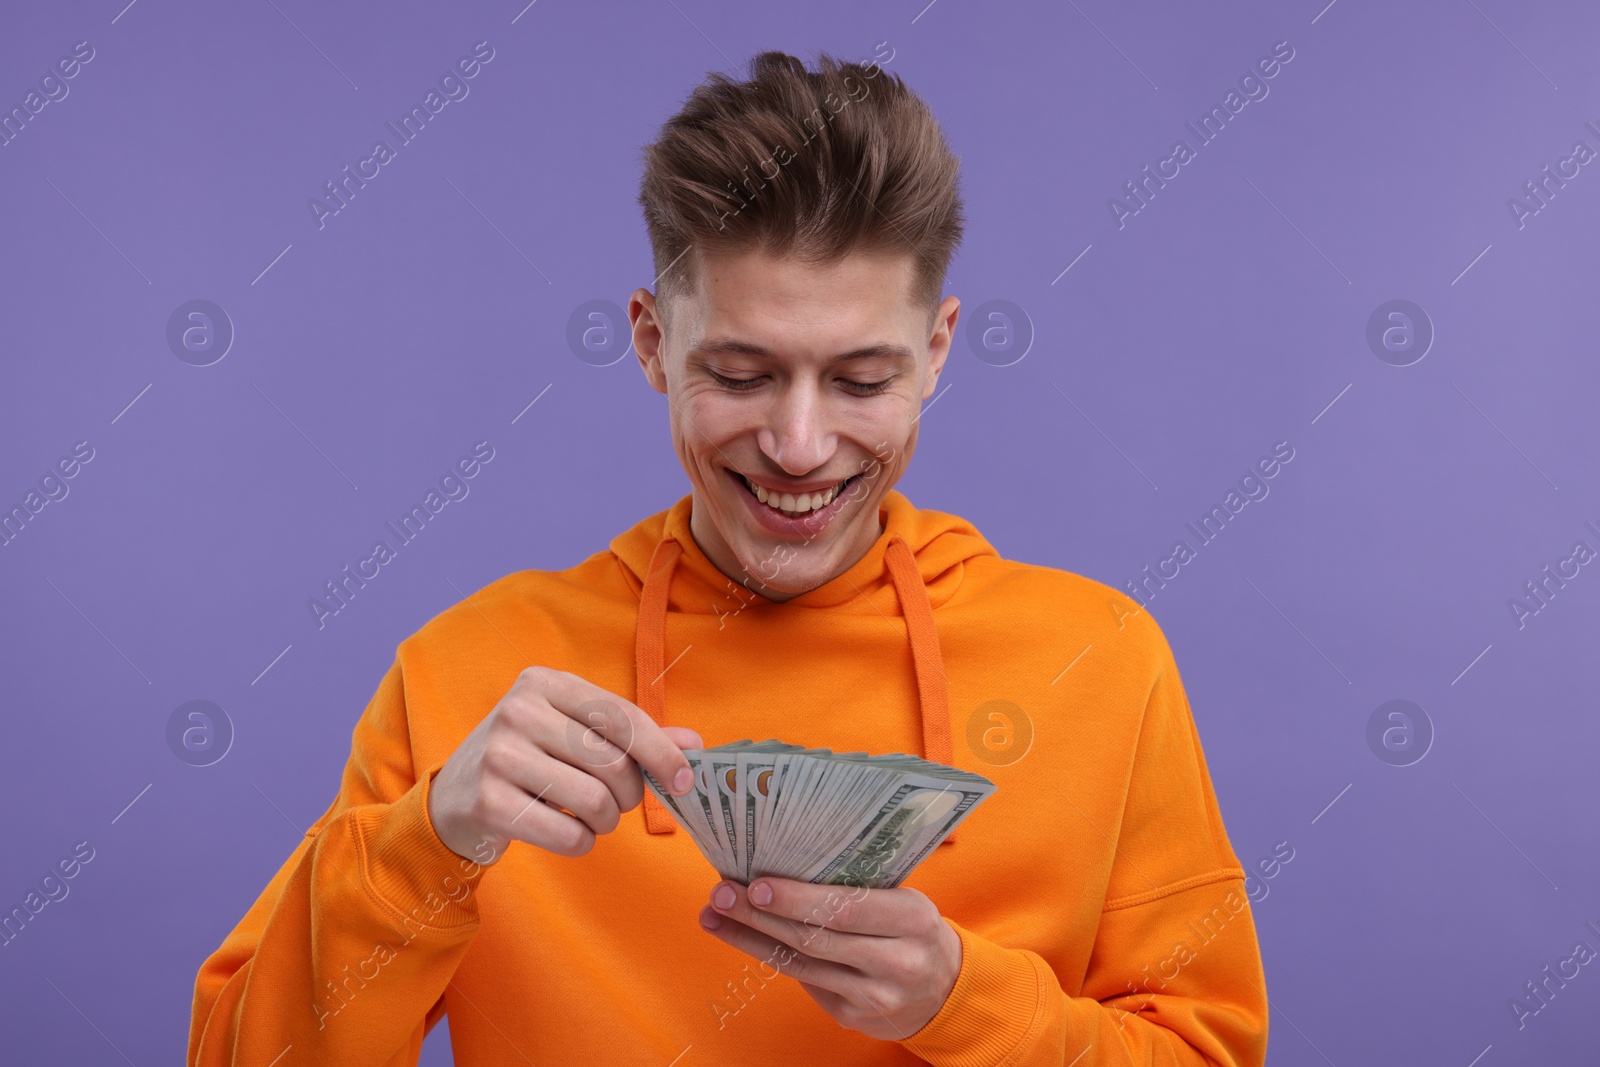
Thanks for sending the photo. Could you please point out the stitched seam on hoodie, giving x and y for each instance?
(1043, 977)
(364, 869)
(1221, 874)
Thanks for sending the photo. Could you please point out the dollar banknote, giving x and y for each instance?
(811, 814)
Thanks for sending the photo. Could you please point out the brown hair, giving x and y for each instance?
(810, 164)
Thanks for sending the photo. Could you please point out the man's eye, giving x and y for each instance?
(736, 384)
(741, 385)
(869, 388)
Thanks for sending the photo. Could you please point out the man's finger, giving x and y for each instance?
(812, 935)
(606, 729)
(539, 824)
(779, 956)
(847, 909)
(684, 737)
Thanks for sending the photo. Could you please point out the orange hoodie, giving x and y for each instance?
(1101, 909)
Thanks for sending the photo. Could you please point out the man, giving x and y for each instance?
(484, 857)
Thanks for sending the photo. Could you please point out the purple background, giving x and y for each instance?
(1229, 314)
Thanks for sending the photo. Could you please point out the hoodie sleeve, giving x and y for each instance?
(1174, 977)
(346, 953)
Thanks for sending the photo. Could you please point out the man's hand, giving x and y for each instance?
(881, 961)
(554, 742)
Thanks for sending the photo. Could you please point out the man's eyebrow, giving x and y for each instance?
(731, 346)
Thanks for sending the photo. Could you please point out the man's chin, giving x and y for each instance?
(776, 571)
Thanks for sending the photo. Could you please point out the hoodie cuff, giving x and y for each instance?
(408, 870)
(999, 1003)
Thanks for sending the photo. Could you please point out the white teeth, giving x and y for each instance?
(795, 505)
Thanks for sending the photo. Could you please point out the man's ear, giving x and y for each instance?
(648, 339)
(944, 331)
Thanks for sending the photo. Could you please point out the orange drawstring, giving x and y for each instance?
(650, 658)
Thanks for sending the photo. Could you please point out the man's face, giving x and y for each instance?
(758, 394)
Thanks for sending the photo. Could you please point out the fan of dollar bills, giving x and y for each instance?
(814, 815)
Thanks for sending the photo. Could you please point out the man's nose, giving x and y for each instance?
(797, 436)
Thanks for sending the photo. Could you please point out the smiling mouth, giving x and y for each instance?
(795, 505)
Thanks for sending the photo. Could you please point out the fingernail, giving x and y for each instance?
(761, 894)
(724, 897)
(682, 780)
(710, 919)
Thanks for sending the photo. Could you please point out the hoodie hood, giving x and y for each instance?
(915, 565)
